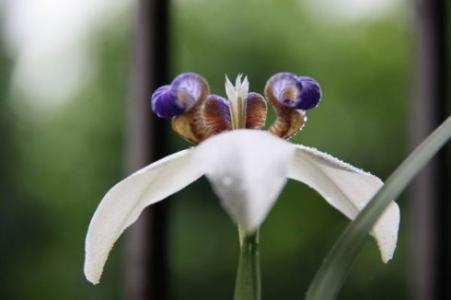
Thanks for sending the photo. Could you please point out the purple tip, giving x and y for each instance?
(298, 92)
(164, 102)
(189, 87)
(178, 97)
(310, 93)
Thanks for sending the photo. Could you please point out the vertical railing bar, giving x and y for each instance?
(444, 168)
(146, 258)
(431, 207)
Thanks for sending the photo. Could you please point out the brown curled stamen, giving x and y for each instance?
(256, 110)
(289, 120)
(190, 125)
(216, 115)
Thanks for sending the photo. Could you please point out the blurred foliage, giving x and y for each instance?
(56, 165)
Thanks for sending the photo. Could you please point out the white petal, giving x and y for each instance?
(125, 201)
(348, 189)
(247, 169)
(244, 88)
(238, 82)
(230, 90)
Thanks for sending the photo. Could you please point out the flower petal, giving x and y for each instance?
(124, 202)
(348, 189)
(216, 114)
(247, 169)
(256, 110)
(237, 97)
(230, 89)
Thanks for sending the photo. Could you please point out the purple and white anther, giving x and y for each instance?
(180, 96)
(299, 92)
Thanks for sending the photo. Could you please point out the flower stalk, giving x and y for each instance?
(248, 282)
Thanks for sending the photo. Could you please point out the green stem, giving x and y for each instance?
(248, 284)
(332, 274)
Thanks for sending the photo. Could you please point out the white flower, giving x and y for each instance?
(247, 169)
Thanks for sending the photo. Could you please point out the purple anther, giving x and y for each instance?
(164, 102)
(298, 92)
(310, 93)
(180, 96)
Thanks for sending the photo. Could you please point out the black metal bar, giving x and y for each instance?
(444, 168)
(146, 261)
(430, 193)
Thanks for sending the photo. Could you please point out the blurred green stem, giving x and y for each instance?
(332, 274)
(248, 284)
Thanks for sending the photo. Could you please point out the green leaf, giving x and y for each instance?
(335, 268)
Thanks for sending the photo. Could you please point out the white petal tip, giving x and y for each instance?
(228, 83)
(245, 82)
(387, 255)
(387, 259)
(244, 88)
(92, 270)
(92, 278)
(238, 80)
(230, 89)
(386, 232)
(94, 282)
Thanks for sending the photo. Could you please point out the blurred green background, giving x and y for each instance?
(57, 160)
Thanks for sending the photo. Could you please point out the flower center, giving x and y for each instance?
(237, 96)
(197, 115)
